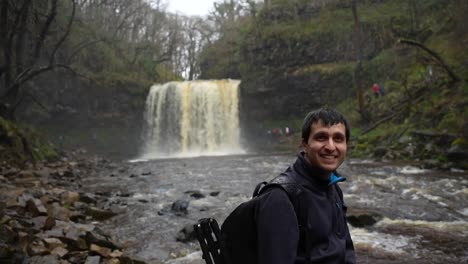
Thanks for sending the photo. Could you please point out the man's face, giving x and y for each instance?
(326, 146)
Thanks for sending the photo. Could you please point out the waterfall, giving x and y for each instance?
(192, 118)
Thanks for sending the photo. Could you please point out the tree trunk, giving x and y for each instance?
(358, 69)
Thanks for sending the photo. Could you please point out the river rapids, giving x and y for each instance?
(421, 215)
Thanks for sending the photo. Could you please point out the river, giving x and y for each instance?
(422, 214)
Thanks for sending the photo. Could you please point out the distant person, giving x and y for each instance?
(375, 90)
(286, 131)
(381, 90)
(314, 229)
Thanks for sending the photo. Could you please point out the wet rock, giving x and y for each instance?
(93, 260)
(59, 251)
(37, 247)
(361, 218)
(53, 243)
(128, 260)
(59, 212)
(43, 222)
(98, 214)
(215, 193)
(116, 254)
(186, 234)
(111, 261)
(77, 217)
(180, 207)
(88, 198)
(77, 257)
(35, 207)
(6, 251)
(49, 259)
(7, 234)
(103, 251)
(69, 197)
(457, 153)
(195, 194)
(99, 238)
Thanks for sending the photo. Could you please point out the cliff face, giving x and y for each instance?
(290, 96)
(74, 113)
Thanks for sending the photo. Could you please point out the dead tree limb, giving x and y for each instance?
(436, 56)
(378, 123)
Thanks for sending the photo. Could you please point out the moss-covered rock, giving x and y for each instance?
(20, 145)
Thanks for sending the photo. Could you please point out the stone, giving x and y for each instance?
(23, 198)
(59, 251)
(7, 234)
(116, 254)
(103, 251)
(215, 193)
(53, 243)
(87, 198)
(69, 197)
(77, 257)
(195, 194)
(6, 251)
(457, 153)
(48, 259)
(36, 248)
(99, 214)
(111, 261)
(43, 222)
(362, 218)
(101, 239)
(127, 260)
(35, 207)
(59, 212)
(93, 260)
(186, 234)
(179, 207)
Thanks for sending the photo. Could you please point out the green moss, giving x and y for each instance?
(20, 144)
(460, 142)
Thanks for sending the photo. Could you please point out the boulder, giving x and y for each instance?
(180, 207)
(99, 214)
(186, 234)
(362, 218)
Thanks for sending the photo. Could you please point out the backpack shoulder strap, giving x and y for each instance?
(292, 188)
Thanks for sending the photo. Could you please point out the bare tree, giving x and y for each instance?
(27, 23)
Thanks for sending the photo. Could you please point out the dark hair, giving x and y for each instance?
(327, 116)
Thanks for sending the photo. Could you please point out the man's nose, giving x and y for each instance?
(330, 144)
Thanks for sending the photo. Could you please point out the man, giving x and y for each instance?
(316, 231)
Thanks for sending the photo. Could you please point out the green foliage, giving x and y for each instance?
(21, 144)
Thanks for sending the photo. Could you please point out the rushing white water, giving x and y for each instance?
(192, 118)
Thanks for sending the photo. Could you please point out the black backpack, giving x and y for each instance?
(236, 241)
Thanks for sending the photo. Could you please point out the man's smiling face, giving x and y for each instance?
(326, 146)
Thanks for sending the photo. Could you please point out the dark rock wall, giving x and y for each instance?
(290, 96)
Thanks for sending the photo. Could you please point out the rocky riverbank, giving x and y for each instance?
(46, 218)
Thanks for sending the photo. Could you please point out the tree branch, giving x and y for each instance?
(436, 56)
(67, 32)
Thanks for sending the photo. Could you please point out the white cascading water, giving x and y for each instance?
(192, 118)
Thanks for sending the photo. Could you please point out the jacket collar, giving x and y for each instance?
(308, 174)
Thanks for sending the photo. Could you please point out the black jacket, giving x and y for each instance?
(321, 236)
